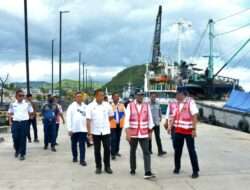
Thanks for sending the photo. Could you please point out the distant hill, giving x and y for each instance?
(66, 84)
(33, 84)
(134, 74)
(73, 84)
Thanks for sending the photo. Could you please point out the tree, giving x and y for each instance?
(3, 82)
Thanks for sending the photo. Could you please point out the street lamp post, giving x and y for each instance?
(79, 82)
(26, 46)
(86, 75)
(83, 74)
(52, 67)
(60, 54)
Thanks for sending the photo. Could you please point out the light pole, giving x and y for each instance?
(52, 67)
(86, 76)
(26, 46)
(79, 85)
(60, 54)
(83, 74)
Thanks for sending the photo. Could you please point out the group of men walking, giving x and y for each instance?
(22, 114)
(101, 123)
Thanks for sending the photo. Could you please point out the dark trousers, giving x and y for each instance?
(49, 132)
(32, 122)
(178, 143)
(115, 140)
(57, 130)
(19, 134)
(105, 140)
(172, 137)
(80, 138)
(156, 131)
(144, 143)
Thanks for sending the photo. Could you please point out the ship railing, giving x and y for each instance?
(228, 79)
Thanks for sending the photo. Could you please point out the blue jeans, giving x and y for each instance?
(49, 132)
(19, 131)
(80, 138)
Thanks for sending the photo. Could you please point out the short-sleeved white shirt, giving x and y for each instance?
(20, 111)
(99, 115)
(76, 117)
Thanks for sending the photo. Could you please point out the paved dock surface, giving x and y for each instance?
(224, 157)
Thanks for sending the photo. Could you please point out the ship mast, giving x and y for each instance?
(211, 49)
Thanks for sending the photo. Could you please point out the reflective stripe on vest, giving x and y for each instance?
(138, 120)
(182, 118)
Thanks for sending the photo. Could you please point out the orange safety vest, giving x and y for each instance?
(182, 118)
(121, 112)
(138, 121)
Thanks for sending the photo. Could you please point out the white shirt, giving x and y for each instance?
(76, 117)
(193, 108)
(20, 111)
(127, 118)
(99, 115)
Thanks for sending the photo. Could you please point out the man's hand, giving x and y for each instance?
(150, 134)
(128, 137)
(169, 129)
(90, 138)
(194, 134)
(166, 125)
(70, 133)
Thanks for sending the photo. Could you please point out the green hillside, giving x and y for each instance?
(134, 74)
(68, 84)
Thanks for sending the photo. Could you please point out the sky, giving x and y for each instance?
(115, 34)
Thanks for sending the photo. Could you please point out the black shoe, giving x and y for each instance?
(132, 172)
(29, 140)
(149, 175)
(98, 171)
(22, 158)
(195, 175)
(113, 157)
(108, 170)
(1, 139)
(56, 144)
(118, 154)
(16, 154)
(176, 171)
(150, 152)
(53, 149)
(45, 147)
(74, 160)
(83, 163)
(36, 141)
(162, 153)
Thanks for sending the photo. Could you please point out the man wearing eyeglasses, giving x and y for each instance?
(19, 114)
(77, 129)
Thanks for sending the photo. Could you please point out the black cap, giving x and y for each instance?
(140, 92)
(181, 90)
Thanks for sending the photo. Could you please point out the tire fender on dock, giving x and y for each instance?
(244, 125)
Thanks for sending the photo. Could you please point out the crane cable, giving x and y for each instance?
(232, 15)
(234, 30)
(200, 41)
